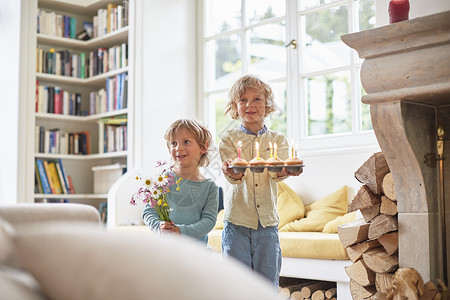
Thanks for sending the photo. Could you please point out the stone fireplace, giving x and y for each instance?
(406, 75)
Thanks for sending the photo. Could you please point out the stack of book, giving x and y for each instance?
(51, 178)
(56, 141)
(113, 134)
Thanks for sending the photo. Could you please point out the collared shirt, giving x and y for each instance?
(245, 130)
(253, 198)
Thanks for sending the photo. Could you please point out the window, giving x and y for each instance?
(316, 85)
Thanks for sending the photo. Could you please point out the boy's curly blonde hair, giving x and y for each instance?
(249, 82)
(202, 136)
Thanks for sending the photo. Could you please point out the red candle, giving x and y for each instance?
(398, 10)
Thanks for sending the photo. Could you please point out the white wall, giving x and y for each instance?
(167, 83)
(418, 8)
(9, 98)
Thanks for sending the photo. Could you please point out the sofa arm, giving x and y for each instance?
(41, 212)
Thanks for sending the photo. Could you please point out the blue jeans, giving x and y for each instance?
(259, 249)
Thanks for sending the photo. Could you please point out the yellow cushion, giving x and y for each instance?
(219, 221)
(317, 245)
(290, 206)
(321, 212)
(215, 240)
(331, 227)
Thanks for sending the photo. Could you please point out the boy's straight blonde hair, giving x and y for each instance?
(249, 81)
(202, 136)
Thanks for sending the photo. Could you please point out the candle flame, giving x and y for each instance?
(239, 144)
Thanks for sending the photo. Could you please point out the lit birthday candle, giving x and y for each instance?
(239, 144)
(275, 150)
(292, 147)
(257, 150)
(271, 149)
(296, 150)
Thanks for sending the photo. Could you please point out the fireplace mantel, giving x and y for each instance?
(406, 75)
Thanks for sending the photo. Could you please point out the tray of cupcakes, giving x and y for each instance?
(273, 163)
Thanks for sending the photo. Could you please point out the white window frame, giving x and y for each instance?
(296, 110)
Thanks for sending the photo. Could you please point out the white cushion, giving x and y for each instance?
(76, 263)
(18, 284)
(8, 254)
(6, 244)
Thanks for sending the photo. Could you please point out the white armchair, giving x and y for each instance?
(120, 211)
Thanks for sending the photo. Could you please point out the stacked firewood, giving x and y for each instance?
(372, 241)
(300, 289)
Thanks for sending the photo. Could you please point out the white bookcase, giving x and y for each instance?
(78, 166)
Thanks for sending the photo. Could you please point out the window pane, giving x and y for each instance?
(223, 61)
(267, 51)
(258, 10)
(366, 121)
(323, 46)
(366, 14)
(305, 4)
(328, 103)
(278, 120)
(222, 122)
(222, 16)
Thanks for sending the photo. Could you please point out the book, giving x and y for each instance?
(61, 177)
(126, 6)
(49, 178)
(83, 142)
(78, 104)
(109, 16)
(45, 99)
(65, 102)
(66, 26)
(103, 209)
(58, 102)
(41, 139)
(73, 28)
(47, 141)
(51, 99)
(41, 98)
(71, 186)
(38, 183)
(71, 144)
(119, 16)
(76, 143)
(83, 65)
(64, 175)
(125, 91)
(43, 175)
(36, 99)
(54, 177)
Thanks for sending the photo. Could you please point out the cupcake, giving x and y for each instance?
(257, 165)
(239, 165)
(274, 164)
(293, 164)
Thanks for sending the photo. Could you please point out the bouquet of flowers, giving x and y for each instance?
(154, 191)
